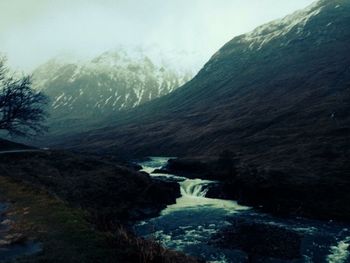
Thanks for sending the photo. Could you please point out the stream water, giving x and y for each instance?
(191, 223)
(12, 251)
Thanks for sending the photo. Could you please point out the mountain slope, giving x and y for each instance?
(81, 93)
(282, 89)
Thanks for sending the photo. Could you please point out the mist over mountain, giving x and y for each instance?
(85, 91)
(282, 88)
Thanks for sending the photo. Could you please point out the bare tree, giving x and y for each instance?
(22, 109)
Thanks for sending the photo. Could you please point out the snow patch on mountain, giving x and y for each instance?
(266, 33)
(113, 81)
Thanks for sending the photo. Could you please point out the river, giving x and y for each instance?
(194, 221)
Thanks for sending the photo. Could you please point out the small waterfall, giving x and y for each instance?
(195, 187)
(340, 252)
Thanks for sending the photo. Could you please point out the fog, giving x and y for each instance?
(33, 31)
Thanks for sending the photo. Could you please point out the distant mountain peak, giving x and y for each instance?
(111, 82)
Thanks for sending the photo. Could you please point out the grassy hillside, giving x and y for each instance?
(107, 190)
(67, 234)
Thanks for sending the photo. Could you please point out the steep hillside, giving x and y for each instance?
(83, 92)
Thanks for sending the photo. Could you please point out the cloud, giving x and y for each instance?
(33, 31)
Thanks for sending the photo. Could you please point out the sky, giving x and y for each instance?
(33, 31)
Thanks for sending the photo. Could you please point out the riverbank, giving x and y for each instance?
(76, 208)
(67, 234)
(13, 242)
(223, 231)
(105, 189)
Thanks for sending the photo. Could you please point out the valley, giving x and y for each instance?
(277, 98)
(84, 92)
(136, 157)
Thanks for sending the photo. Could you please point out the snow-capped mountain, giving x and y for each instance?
(111, 82)
(281, 27)
(281, 33)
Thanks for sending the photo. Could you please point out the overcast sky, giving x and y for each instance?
(32, 31)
